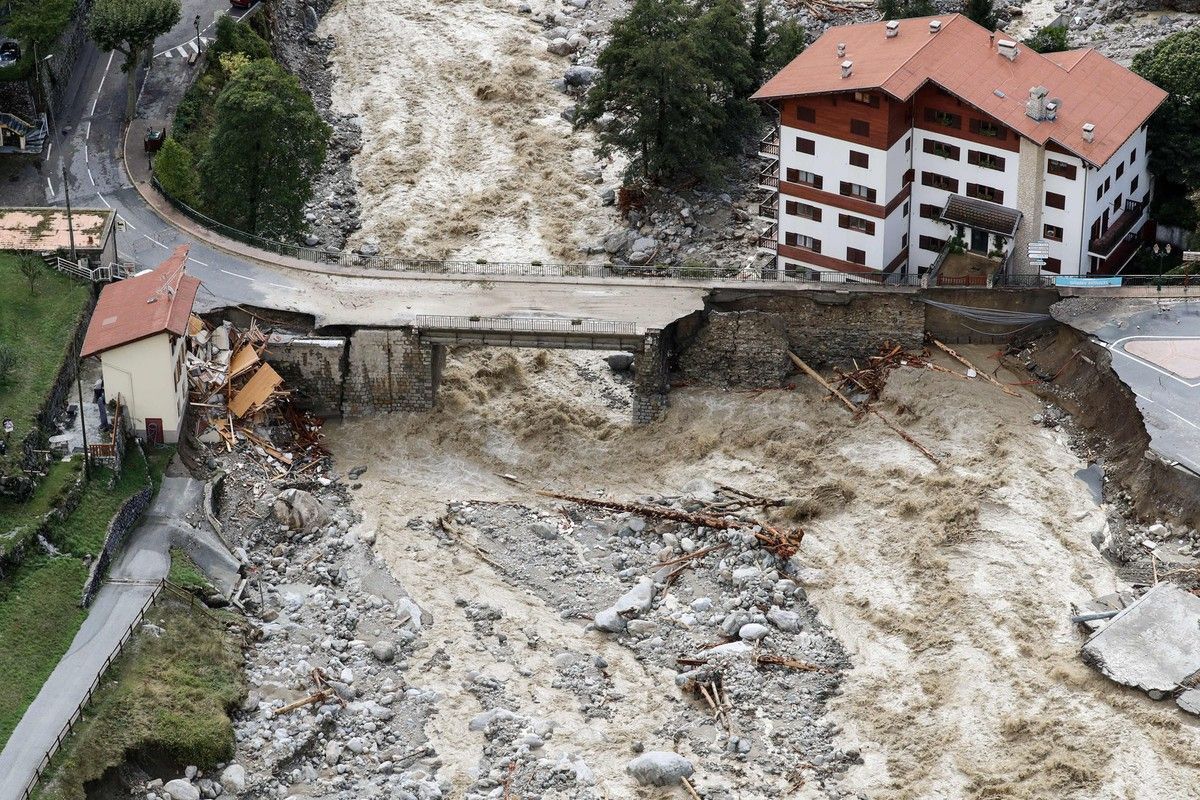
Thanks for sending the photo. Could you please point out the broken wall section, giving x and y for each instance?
(313, 368)
(390, 370)
(744, 337)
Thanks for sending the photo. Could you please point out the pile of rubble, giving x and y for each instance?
(240, 401)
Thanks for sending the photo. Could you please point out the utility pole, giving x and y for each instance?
(82, 418)
(70, 224)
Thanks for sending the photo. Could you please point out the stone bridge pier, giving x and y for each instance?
(398, 369)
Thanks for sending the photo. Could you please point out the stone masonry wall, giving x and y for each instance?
(651, 378)
(312, 368)
(390, 370)
(742, 340)
(745, 349)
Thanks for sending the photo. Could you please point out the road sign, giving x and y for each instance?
(1191, 255)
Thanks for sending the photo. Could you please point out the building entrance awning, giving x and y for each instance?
(981, 215)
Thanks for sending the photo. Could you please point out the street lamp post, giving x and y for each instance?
(37, 73)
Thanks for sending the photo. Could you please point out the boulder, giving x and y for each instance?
(233, 779)
(561, 47)
(620, 362)
(579, 77)
(659, 768)
(179, 789)
(384, 651)
(300, 511)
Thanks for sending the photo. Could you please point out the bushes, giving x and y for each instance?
(176, 172)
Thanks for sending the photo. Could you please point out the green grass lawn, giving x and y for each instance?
(167, 694)
(82, 533)
(17, 520)
(39, 616)
(184, 572)
(37, 328)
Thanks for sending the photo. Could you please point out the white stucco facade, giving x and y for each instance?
(150, 378)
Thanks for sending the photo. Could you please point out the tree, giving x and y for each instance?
(653, 86)
(722, 46)
(175, 169)
(759, 41)
(267, 144)
(904, 9)
(233, 37)
(1173, 138)
(130, 27)
(788, 40)
(33, 270)
(982, 12)
(39, 22)
(1049, 39)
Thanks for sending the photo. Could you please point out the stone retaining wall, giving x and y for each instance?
(314, 369)
(390, 370)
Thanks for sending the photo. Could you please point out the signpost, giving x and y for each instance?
(1039, 253)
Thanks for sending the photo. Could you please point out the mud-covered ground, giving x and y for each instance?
(948, 589)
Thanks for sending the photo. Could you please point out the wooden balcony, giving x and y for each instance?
(768, 239)
(769, 146)
(1122, 225)
(769, 177)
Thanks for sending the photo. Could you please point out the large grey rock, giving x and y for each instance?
(609, 621)
(233, 778)
(561, 47)
(659, 768)
(1151, 645)
(1189, 701)
(580, 76)
(637, 600)
(179, 789)
(384, 651)
(300, 511)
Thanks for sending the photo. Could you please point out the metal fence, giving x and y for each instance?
(588, 327)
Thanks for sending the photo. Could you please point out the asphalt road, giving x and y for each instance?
(1169, 402)
(132, 580)
(88, 143)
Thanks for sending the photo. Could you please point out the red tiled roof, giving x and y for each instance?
(142, 306)
(962, 59)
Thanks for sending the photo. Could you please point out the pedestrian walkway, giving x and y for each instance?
(185, 50)
(134, 578)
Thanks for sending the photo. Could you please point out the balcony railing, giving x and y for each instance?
(769, 177)
(769, 209)
(769, 146)
(768, 239)
(1108, 241)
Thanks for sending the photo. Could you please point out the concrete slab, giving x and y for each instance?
(1153, 644)
(1189, 701)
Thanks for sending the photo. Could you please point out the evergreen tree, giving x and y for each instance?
(267, 144)
(759, 41)
(788, 40)
(982, 12)
(176, 172)
(722, 45)
(1173, 137)
(130, 27)
(653, 86)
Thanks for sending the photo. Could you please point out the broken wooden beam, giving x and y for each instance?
(973, 368)
(312, 699)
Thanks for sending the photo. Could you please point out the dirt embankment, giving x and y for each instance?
(949, 588)
(1082, 381)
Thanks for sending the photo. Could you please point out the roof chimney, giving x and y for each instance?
(1035, 106)
(1089, 132)
(1052, 110)
(841, 49)
(847, 68)
(892, 28)
(935, 25)
(1007, 48)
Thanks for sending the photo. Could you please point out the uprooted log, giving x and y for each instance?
(312, 699)
(783, 543)
(905, 435)
(972, 367)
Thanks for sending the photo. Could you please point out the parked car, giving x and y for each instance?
(10, 53)
(242, 3)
